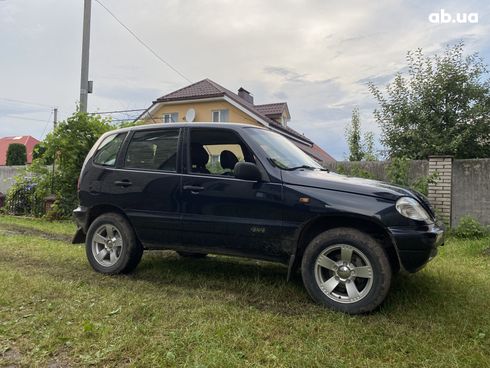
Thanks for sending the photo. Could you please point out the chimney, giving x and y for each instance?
(244, 94)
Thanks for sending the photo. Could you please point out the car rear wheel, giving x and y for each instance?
(111, 245)
(346, 270)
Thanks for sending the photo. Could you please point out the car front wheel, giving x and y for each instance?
(111, 245)
(346, 270)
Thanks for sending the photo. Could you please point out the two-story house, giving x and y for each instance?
(208, 101)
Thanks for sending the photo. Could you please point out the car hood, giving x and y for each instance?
(333, 181)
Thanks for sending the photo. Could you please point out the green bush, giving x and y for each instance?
(16, 154)
(38, 152)
(68, 145)
(26, 196)
(354, 169)
(66, 148)
(470, 228)
(397, 173)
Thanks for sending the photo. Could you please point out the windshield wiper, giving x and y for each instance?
(280, 165)
(305, 167)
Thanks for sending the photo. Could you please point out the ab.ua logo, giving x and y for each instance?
(442, 17)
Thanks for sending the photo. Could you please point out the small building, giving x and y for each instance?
(208, 101)
(28, 141)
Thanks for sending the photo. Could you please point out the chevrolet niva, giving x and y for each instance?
(241, 190)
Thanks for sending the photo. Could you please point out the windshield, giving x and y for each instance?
(281, 151)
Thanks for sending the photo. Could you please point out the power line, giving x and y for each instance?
(143, 43)
(47, 123)
(11, 100)
(115, 111)
(23, 118)
(119, 120)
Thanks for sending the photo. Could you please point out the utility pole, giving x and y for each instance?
(84, 83)
(55, 122)
(55, 117)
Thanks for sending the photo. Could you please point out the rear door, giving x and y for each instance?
(146, 185)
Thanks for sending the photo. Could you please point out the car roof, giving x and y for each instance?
(185, 125)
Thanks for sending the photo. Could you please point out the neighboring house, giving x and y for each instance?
(208, 101)
(26, 140)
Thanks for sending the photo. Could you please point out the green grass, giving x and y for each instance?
(226, 312)
(66, 228)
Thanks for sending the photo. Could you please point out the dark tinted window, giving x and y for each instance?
(107, 152)
(153, 150)
(216, 151)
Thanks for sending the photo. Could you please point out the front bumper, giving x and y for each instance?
(417, 245)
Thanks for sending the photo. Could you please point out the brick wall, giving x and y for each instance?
(440, 192)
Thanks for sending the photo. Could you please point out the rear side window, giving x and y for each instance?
(154, 150)
(106, 154)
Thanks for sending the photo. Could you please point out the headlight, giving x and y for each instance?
(409, 207)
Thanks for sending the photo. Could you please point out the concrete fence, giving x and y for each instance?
(471, 190)
(7, 175)
(462, 187)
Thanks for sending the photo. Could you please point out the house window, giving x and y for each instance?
(172, 117)
(220, 115)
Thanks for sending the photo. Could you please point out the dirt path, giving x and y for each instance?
(24, 230)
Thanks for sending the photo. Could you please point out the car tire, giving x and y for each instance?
(191, 254)
(346, 270)
(111, 245)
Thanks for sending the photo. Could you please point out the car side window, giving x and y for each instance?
(153, 150)
(106, 154)
(216, 151)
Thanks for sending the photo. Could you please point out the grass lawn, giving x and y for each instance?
(225, 312)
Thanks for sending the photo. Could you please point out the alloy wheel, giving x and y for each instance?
(344, 273)
(107, 245)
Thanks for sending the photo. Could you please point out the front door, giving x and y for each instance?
(224, 214)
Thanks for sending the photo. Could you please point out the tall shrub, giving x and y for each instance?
(68, 145)
(16, 154)
(65, 148)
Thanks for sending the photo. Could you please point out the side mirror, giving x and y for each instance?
(247, 171)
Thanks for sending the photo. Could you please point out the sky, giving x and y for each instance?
(316, 55)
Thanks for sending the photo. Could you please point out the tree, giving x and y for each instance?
(67, 146)
(38, 152)
(442, 106)
(353, 133)
(16, 154)
(359, 149)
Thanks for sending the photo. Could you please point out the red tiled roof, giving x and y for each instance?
(202, 89)
(321, 153)
(26, 140)
(272, 109)
(315, 152)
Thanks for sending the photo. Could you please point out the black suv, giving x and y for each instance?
(247, 191)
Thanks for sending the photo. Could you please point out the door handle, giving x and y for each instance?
(123, 183)
(195, 189)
